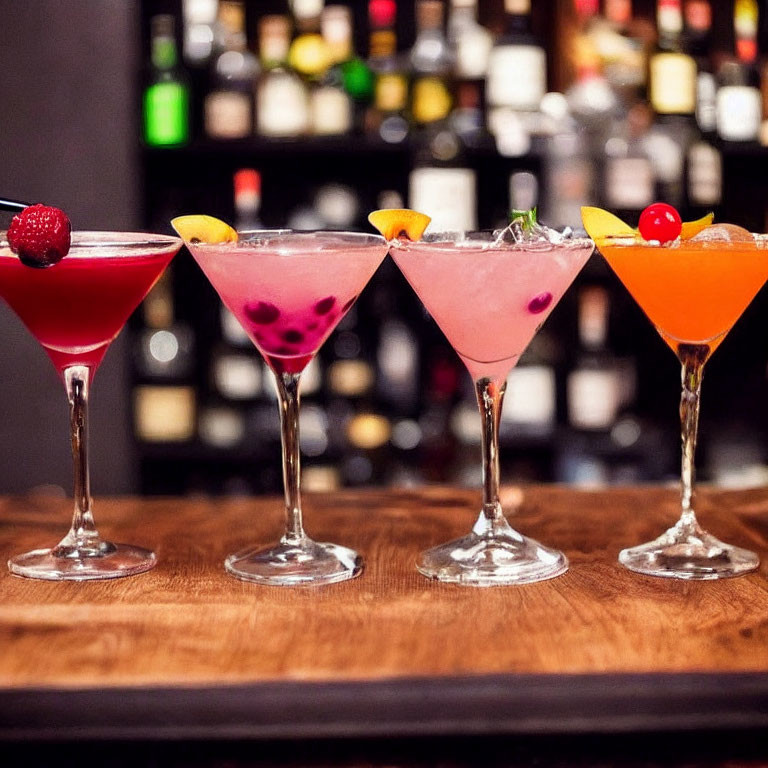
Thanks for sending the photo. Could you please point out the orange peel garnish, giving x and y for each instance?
(692, 228)
(601, 224)
(199, 228)
(400, 223)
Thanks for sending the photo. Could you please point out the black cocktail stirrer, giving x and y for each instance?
(12, 205)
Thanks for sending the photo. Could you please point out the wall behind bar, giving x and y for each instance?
(67, 137)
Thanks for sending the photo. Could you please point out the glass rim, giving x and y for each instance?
(444, 240)
(636, 240)
(285, 236)
(85, 239)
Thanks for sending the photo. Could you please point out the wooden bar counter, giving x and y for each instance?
(188, 650)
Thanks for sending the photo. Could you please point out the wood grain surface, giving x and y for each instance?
(188, 623)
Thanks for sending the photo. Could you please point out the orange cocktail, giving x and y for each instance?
(692, 292)
(693, 281)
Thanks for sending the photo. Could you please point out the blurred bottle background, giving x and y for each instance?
(309, 114)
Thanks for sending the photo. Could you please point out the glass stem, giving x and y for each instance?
(692, 357)
(288, 392)
(490, 395)
(83, 539)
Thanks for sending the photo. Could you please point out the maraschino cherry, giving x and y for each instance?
(661, 222)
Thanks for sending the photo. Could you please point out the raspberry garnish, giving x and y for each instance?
(324, 306)
(261, 312)
(539, 303)
(40, 235)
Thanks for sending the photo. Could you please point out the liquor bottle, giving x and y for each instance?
(165, 347)
(166, 97)
(739, 101)
(439, 427)
(247, 184)
(199, 19)
(591, 99)
(569, 171)
(530, 408)
(397, 358)
(282, 103)
(387, 117)
(704, 162)
(698, 30)
(311, 56)
(431, 67)
(517, 80)
(472, 45)
(593, 386)
(338, 207)
(164, 414)
(672, 86)
(625, 66)
(745, 26)
(672, 70)
(444, 190)
(237, 375)
(629, 183)
(164, 402)
(331, 111)
(309, 52)
(228, 111)
(440, 183)
(221, 426)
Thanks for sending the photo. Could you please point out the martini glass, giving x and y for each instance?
(75, 309)
(289, 290)
(490, 297)
(693, 292)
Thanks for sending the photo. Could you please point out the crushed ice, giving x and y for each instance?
(518, 232)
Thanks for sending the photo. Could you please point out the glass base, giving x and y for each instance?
(294, 563)
(688, 552)
(486, 561)
(117, 560)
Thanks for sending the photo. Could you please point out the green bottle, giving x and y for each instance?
(166, 97)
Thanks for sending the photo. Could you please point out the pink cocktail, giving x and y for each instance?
(489, 297)
(289, 290)
(75, 308)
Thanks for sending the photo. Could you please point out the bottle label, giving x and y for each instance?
(705, 174)
(593, 398)
(164, 414)
(472, 52)
(237, 377)
(391, 93)
(166, 114)
(445, 194)
(531, 396)
(228, 115)
(283, 108)
(431, 100)
(330, 112)
(629, 182)
(673, 83)
(517, 7)
(517, 76)
(739, 113)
